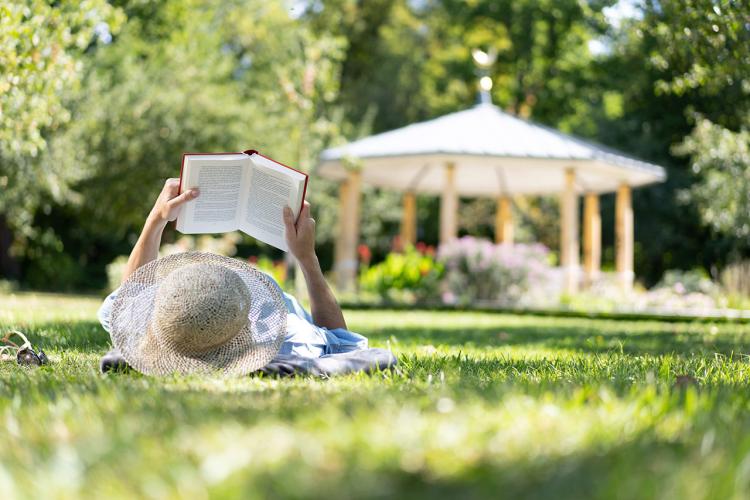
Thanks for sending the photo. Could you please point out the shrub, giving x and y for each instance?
(735, 278)
(7, 286)
(480, 271)
(114, 272)
(685, 282)
(275, 268)
(411, 272)
(671, 299)
(683, 290)
(678, 291)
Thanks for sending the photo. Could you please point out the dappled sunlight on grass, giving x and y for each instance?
(26, 308)
(480, 403)
(478, 330)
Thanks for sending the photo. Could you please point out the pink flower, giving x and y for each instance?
(449, 298)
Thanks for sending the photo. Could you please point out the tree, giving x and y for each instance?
(699, 51)
(181, 75)
(703, 46)
(408, 61)
(706, 44)
(41, 44)
(721, 160)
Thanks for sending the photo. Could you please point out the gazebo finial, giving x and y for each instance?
(484, 61)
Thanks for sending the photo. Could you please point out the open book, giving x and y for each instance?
(240, 191)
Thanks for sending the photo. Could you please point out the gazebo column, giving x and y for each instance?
(346, 246)
(504, 221)
(449, 206)
(409, 219)
(569, 259)
(592, 237)
(624, 236)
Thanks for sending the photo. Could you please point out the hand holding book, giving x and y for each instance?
(300, 236)
(245, 191)
(170, 201)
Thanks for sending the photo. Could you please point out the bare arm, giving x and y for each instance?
(300, 238)
(166, 209)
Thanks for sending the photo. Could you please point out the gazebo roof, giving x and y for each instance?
(494, 153)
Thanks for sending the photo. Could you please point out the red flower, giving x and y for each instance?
(421, 247)
(252, 259)
(364, 252)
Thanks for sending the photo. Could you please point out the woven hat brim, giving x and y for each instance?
(136, 336)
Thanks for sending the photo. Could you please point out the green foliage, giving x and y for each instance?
(700, 54)
(380, 219)
(721, 160)
(99, 99)
(186, 75)
(274, 268)
(41, 46)
(412, 271)
(230, 88)
(706, 42)
(115, 270)
(529, 406)
(7, 287)
(408, 61)
(735, 279)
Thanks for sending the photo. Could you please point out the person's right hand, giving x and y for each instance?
(300, 236)
(169, 202)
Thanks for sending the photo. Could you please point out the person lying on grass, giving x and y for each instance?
(198, 312)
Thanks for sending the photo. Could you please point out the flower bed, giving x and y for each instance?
(480, 271)
(467, 271)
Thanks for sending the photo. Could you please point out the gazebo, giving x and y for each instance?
(485, 152)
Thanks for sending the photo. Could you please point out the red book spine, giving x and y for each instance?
(182, 168)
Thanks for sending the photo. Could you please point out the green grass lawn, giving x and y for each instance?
(482, 405)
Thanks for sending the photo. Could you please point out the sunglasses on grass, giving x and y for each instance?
(25, 353)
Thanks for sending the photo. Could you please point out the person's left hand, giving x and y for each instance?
(300, 237)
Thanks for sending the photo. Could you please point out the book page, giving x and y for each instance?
(270, 191)
(220, 182)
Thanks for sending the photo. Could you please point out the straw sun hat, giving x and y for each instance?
(198, 312)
